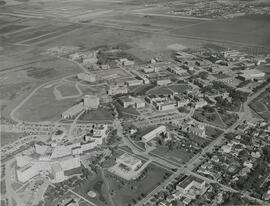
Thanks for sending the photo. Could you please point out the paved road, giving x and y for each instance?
(197, 159)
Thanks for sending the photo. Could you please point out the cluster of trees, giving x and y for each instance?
(261, 85)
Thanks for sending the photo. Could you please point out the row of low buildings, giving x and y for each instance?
(160, 102)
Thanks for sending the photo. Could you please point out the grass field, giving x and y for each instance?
(212, 132)
(97, 115)
(180, 88)
(95, 184)
(11, 28)
(159, 91)
(261, 105)
(131, 192)
(8, 137)
(211, 118)
(68, 89)
(126, 112)
(177, 155)
(93, 90)
(42, 106)
(258, 106)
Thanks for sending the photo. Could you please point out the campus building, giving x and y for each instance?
(151, 135)
(87, 77)
(73, 111)
(57, 159)
(198, 130)
(90, 102)
(163, 82)
(252, 74)
(129, 161)
(131, 101)
(135, 82)
(191, 187)
(117, 89)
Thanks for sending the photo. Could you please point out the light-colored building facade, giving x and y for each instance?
(163, 82)
(151, 135)
(91, 102)
(129, 161)
(73, 111)
(87, 77)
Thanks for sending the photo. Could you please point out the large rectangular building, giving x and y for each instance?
(73, 111)
(151, 135)
(252, 74)
(90, 102)
(117, 89)
(129, 161)
(87, 77)
(135, 82)
(27, 172)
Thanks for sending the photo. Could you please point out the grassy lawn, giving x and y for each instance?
(8, 137)
(229, 118)
(212, 132)
(3, 187)
(43, 106)
(210, 118)
(126, 112)
(265, 115)
(177, 155)
(202, 142)
(68, 89)
(159, 91)
(179, 88)
(99, 115)
(258, 106)
(95, 184)
(142, 89)
(266, 101)
(261, 105)
(125, 193)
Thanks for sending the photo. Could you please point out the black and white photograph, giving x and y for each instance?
(135, 102)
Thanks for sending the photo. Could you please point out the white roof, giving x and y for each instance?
(128, 159)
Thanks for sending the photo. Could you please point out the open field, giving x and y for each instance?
(159, 91)
(133, 191)
(97, 115)
(68, 89)
(11, 95)
(261, 105)
(8, 137)
(43, 106)
(93, 90)
(11, 28)
(95, 184)
(180, 88)
(212, 132)
(126, 112)
(211, 118)
(176, 155)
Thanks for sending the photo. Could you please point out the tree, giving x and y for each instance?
(203, 75)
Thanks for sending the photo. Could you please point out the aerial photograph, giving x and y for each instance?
(135, 102)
